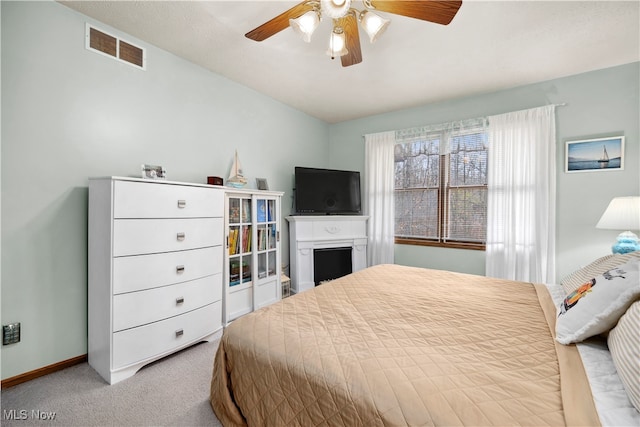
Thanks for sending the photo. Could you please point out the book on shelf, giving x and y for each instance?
(261, 239)
(234, 279)
(232, 240)
(236, 232)
(248, 243)
(265, 236)
(239, 272)
(234, 214)
(245, 238)
(246, 210)
(261, 210)
(238, 281)
(272, 236)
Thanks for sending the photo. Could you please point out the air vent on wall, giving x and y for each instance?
(106, 44)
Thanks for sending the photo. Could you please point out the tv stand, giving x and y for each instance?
(309, 232)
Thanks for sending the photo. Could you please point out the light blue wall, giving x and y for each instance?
(68, 114)
(599, 103)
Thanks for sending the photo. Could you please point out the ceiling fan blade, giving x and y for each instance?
(440, 12)
(278, 23)
(350, 26)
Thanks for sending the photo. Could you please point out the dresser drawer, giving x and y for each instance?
(137, 344)
(145, 236)
(157, 200)
(136, 273)
(139, 308)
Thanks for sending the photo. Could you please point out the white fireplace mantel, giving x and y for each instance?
(307, 233)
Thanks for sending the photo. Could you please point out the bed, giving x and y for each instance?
(395, 345)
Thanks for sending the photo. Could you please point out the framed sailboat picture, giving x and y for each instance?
(595, 155)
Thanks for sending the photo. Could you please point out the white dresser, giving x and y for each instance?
(155, 271)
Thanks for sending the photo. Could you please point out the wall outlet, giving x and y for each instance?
(10, 333)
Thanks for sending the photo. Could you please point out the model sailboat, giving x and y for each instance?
(236, 179)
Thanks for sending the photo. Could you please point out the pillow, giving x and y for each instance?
(597, 267)
(625, 351)
(596, 306)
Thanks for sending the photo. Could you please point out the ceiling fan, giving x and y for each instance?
(344, 41)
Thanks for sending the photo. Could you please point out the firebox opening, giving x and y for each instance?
(331, 263)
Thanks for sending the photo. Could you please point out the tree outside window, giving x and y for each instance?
(441, 192)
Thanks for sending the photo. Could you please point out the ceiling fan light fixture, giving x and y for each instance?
(305, 17)
(373, 24)
(305, 25)
(337, 43)
(335, 8)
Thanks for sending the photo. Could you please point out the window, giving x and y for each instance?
(441, 188)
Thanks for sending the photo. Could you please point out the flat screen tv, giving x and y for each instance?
(326, 192)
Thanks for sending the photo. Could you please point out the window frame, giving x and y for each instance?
(444, 188)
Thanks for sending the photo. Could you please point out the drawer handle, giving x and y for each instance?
(179, 300)
(182, 204)
(179, 333)
(180, 269)
(180, 237)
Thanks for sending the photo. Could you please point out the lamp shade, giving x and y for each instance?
(337, 43)
(305, 25)
(373, 24)
(623, 213)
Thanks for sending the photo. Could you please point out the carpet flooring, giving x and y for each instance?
(173, 391)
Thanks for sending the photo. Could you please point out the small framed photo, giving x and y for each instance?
(153, 172)
(595, 155)
(261, 184)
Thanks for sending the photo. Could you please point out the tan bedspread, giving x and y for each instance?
(393, 345)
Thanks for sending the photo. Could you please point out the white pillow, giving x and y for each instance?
(596, 306)
(625, 352)
(597, 267)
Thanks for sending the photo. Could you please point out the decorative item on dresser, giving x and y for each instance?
(623, 213)
(155, 271)
(215, 180)
(261, 184)
(153, 172)
(252, 260)
(236, 177)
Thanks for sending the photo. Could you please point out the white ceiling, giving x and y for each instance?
(489, 45)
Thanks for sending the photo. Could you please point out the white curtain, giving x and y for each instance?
(378, 200)
(521, 196)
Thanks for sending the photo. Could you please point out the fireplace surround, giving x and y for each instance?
(310, 233)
